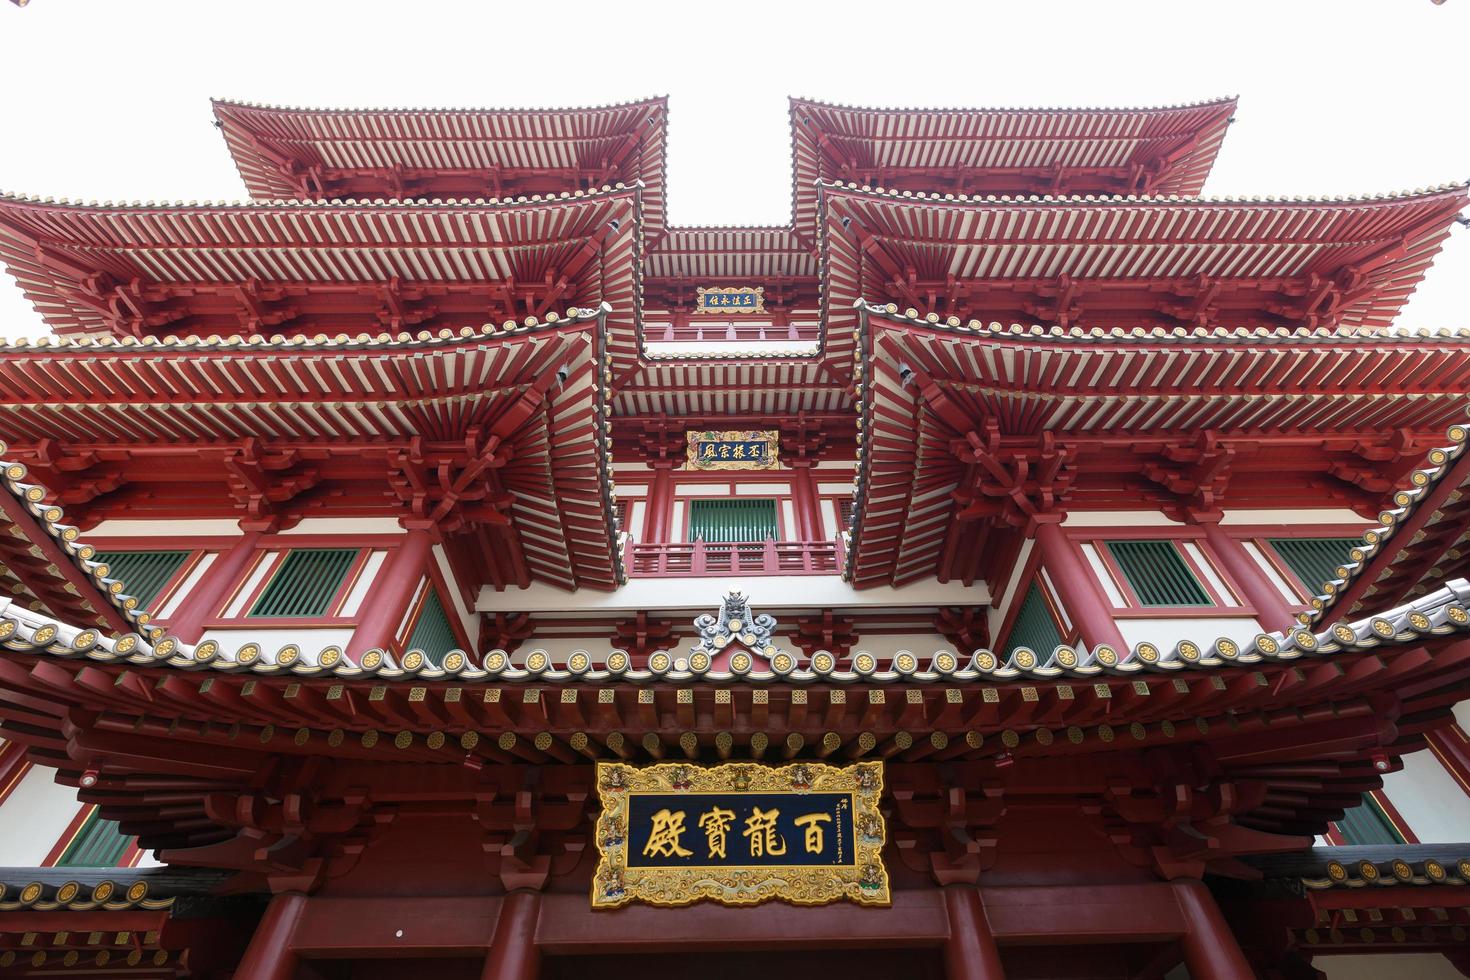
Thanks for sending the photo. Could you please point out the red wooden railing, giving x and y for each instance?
(682, 559)
(672, 332)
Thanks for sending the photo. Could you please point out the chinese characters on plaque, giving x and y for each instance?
(730, 299)
(733, 450)
(740, 834)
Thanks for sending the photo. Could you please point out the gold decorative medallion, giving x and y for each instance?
(730, 299)
(736, 449)
(740, 834)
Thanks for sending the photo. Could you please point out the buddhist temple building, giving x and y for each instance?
(1016, 566)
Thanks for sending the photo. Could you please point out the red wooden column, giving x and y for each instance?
(970, 953)
(1272, 611)
(660, 502)
(212, 591)
(1077, 588)
(1210, 948)
(513, 953)
(388, 598)
(269, 955)
(804, 501)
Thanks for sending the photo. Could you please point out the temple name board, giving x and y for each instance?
(733, 450)
(740, 834)
(731, 299)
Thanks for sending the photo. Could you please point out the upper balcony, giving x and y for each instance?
(752, 558)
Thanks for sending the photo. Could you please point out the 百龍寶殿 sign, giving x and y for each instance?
(739, 834)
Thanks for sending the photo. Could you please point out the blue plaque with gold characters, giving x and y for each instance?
(740, 834)
(733, 450)
(730, 299)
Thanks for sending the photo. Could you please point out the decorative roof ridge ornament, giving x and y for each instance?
(736, 623)
(1442, 613)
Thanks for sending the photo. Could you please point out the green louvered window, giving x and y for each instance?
(432, 633)
(142, 573)
(1157, 573)
(715, 521)
(1368, 824)
(98, 844)
(1034, 627)
(305, 583)
(1314, 560)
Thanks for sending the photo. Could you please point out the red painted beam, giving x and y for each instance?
(916, 919)
(336, 927)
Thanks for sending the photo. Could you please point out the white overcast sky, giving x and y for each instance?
(108, 99)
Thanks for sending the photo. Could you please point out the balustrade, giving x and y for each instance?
(684, 559)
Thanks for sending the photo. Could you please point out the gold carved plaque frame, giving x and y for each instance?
(864, 881)
(769, 439)
(719, 300)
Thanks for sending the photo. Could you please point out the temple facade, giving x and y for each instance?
(1018, 565)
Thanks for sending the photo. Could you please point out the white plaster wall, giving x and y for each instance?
(1118, 518)
(1315, 515)
(364, 584)
(186, 586)
(33, 817)
(703, 594)
(262, 567)
(922, 645)
(761, 489)
(468, 618)
(1435, 807)
(311, 641)
(828, 516)
(169, 528)
(1164, 633)
(995, 616)
(766, 348)
(1387, 966)
(347, 525)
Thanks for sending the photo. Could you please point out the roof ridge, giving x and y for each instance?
(1141, 333)
(217, 103)
(1222, 100)
(336, 342)
(605, 191)
(1421, 193)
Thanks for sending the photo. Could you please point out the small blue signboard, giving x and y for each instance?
(733, 450)
(731, 299)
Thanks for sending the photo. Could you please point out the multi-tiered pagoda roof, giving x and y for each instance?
(462, 321)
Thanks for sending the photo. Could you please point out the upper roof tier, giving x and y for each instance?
(1104, 262)
(296, 270)
(404, 154)
(1163, 150)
